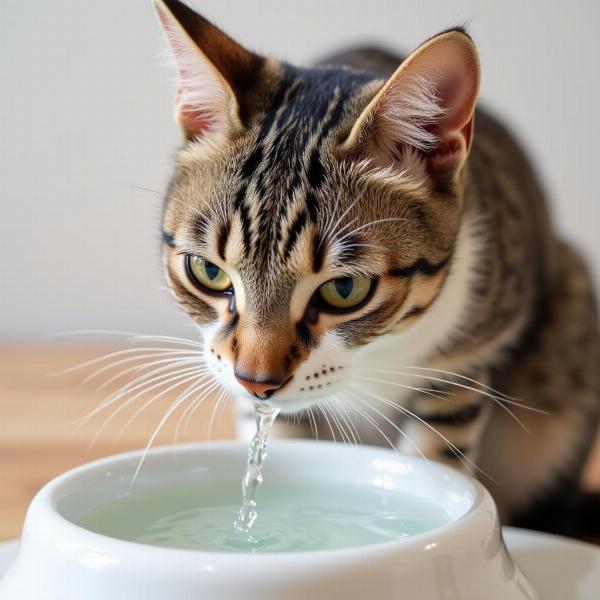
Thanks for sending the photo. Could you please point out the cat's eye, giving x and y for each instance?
(207, 275)
(345, 293)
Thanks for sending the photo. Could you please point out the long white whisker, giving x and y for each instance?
(396, 427)
(331, 216)
(336, 421)
(193, 208)
(180, 354)
(501, 395)
(420, 390)
(165, 418)
(345, 418)
(322, 411)
(461, 456)
(98, 359)
(197, 404)
(132, 336)
(196, 380)
(196, 401)
(199, 399)
(466, 387)
(313, 423)
(169, 339)
(373, 424)
(214, 411)
(179, 381)
(147, 378)
(327, 234)
(162, 380)
(377, 221)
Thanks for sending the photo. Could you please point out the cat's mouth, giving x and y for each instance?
(298, 400)
(267, 395)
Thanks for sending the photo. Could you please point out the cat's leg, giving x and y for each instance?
(447, 424)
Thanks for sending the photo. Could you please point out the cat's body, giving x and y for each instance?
(369, 247)
(533, 330)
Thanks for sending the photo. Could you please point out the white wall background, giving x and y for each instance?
(85, 112)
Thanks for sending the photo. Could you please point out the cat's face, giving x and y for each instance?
(304, 224)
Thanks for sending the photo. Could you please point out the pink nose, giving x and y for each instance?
(260, 389)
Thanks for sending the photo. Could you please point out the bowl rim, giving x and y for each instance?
(44, 506)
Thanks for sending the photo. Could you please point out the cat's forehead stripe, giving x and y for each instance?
(222, 238)
(289, 144)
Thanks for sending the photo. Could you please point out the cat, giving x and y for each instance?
(357, 239)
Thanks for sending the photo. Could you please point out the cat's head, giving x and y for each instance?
(313, 212)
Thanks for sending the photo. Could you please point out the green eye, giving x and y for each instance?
(207, 274)
(346, 292)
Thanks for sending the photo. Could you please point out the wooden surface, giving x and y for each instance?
(38, 438)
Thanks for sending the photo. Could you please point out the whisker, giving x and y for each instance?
(162, 380)
(328, 226)
(213, 413)
(140, 188)
(190, 410)
(373, 424)
(170, 340)
(420, 390)
(195, 403)
(471, 380)
(394, 425)
(345, 417)
(179, 381)
(500, 396)
(144, 379)
(466, 387)
(178, 356)
(336, 421)
(461, 456)
(196, 381)
(165, 418)
(333, 231)
(365, 225)
(205, 395)
(98, 359)
(313, 423)
(322, 411)
(132, 335)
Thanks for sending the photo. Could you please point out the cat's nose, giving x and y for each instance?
(261, 389)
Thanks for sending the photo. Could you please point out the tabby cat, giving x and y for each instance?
(356, 238)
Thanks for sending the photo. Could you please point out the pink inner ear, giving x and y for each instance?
(198, 99)
(194, 121)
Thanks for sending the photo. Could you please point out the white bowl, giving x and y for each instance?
(465, 559)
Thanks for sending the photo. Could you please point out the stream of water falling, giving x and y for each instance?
(265, 417)
(295, 515)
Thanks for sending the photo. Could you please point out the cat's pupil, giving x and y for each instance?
(344, 286)
(211, 270)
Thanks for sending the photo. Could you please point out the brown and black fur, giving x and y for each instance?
(530, 276)
(267, 197)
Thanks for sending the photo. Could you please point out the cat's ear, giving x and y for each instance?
(214, 72)
(421, 121)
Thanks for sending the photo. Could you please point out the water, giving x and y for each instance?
(265, 417)
(294, 516)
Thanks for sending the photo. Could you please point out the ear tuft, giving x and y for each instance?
(408, 114)
(421, 121)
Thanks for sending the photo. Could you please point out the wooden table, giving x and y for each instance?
(38, 439)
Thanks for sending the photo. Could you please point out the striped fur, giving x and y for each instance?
(330, 172)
